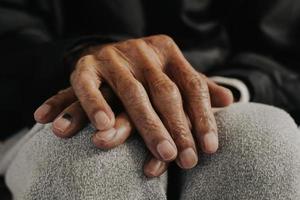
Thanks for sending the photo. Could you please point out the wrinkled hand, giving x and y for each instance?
(156, 86)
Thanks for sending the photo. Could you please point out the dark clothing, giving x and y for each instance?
(257, 41)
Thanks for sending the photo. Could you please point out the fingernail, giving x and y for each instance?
(42, 111)
(63, 122)
(166, 150)
(188, 158)
(105, 136)
(153, 168)
(102, 120)
(210, 141)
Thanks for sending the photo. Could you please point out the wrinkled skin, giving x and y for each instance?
(164, 99)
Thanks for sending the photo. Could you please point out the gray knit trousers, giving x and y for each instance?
(258, 158)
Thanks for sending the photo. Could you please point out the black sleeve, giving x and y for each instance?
(265, 52)
(269, 82)
(256, 41)
(33, 66)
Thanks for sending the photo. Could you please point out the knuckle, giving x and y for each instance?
(162, 41)
(183, 141)
(137, 43)
(77, 79)
(197, 84)
(149, 126)
(87, 96)
(164, 85)
(126, 42)
(83, 73)
(165, 38)
(205, 122)
(84, 59)
(147, 122)
(82, 90)
(86, 63)
(166, 88)
(133, 47)
(167, 41)
(105, 52)
(127, 83)
(197, 92)
(132, 92)
(179, 131)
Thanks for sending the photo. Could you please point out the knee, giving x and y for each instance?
(258, 158)
(257, 130)
(260, 145)
(69, 168)
(79, 150)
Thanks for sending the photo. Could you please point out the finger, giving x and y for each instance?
(154, 167)
(70, 121)
(49, 110)
(167, 101)
(196, 96)
(86, 81)
(137, 104)
(115, 136)
(220, 96)
(73, 118)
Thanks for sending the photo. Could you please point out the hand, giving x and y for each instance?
(66, 110)
(147, 74)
